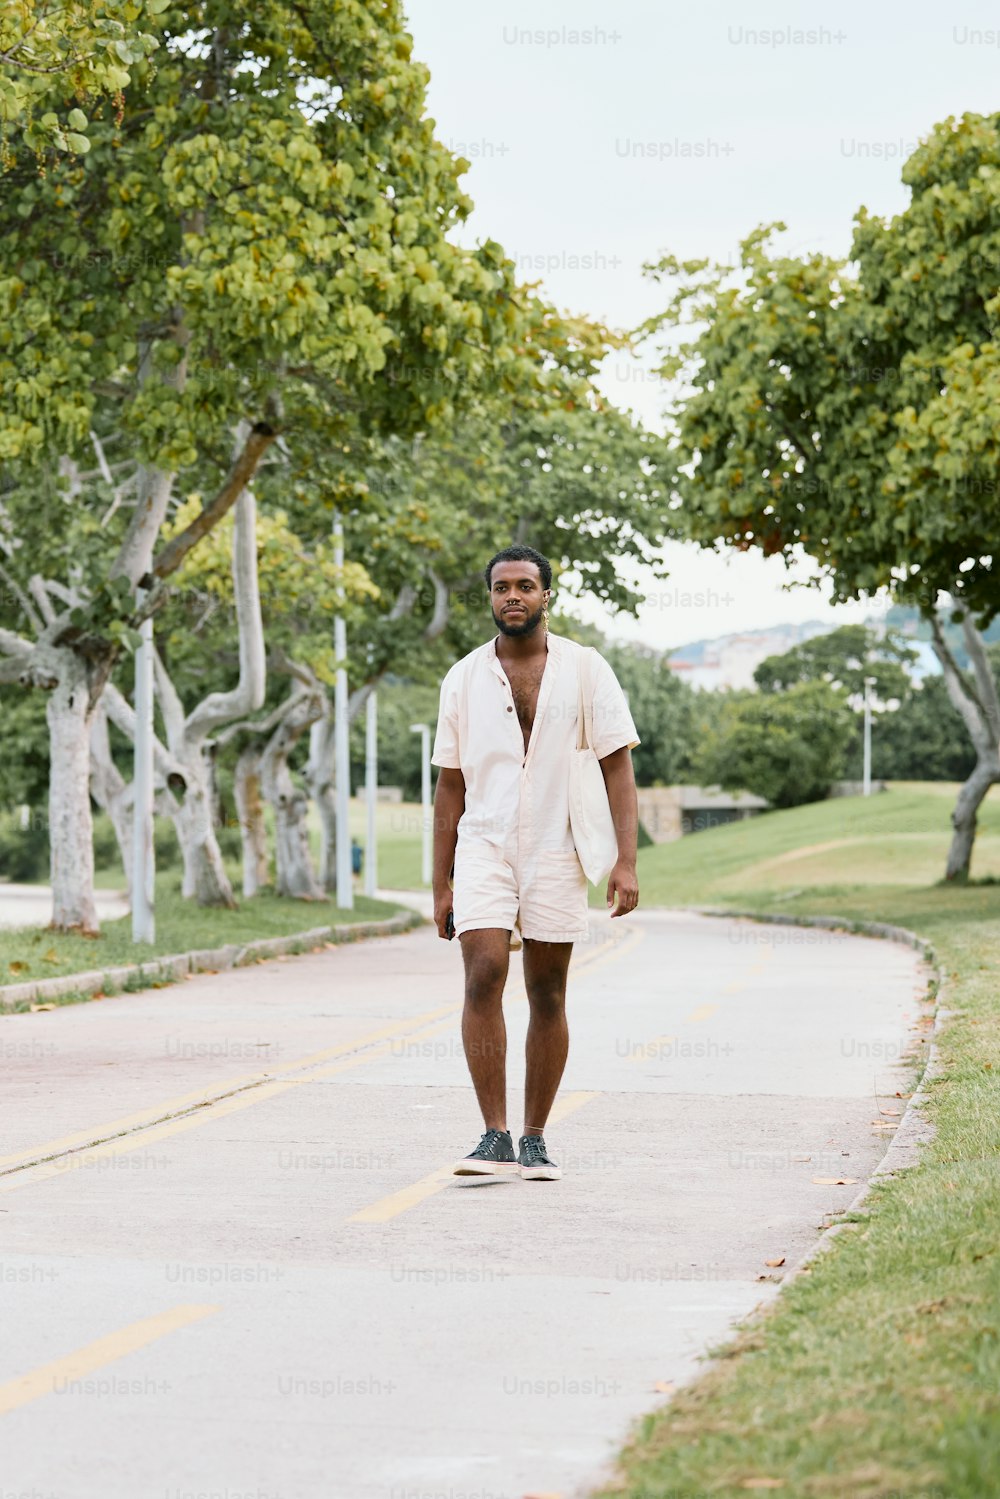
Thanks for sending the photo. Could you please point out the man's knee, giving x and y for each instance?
(547, 998)
(485, 971)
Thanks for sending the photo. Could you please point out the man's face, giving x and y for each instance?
(517, 597)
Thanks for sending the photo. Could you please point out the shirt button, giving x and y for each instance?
(510, 710)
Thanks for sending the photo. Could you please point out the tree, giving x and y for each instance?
(923, 740)
(788, 747)
(844, 658)
(675, 718)
(847, 411)
(260, 245)
(550, 463)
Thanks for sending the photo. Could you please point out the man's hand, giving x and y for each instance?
(443, 905)
(623, 882)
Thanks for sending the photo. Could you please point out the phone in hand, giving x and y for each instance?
(449, 925)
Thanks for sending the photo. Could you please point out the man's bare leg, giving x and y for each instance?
(486, 955)
(545, 968)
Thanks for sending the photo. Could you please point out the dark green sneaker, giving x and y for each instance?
(493, 1156)
(533, 1160)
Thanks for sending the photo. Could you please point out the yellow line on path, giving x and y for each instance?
(135, 1131)
(203, 1096)
(114, 1345)
(703, 1012)
(81, 1160)
(419, 1191)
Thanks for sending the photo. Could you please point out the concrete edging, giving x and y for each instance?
(903, 1150)
(174, 966)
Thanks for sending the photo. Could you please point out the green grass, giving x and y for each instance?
(398, 827)
(34, 953)
(877, 1375)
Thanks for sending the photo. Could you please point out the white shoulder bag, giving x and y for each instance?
(590, 817)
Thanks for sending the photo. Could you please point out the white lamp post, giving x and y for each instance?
(869, 684)
(424, 731)
(143, 870)
(345, 883)
(371, 787)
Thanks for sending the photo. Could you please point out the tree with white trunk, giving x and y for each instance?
(847, 411)
(226, 254)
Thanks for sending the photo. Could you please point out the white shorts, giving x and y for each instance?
(544, 896)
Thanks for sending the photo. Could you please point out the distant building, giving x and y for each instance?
(671, 812)
(731, 660)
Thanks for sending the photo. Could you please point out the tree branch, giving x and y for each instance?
(170, 704)
(985, 680)
(248, 695)
(239, 477)
(22, 599)
(122, 715)
(14, 645)
(37, 589)
(963, 698)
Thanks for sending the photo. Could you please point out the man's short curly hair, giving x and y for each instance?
(518, 553)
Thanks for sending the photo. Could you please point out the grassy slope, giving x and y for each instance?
(877, 1375)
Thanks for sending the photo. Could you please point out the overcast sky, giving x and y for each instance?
(601, 135)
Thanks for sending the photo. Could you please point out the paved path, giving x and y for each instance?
(282, 1292)
(31, 905)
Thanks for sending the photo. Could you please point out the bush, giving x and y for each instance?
(788, 747)
(24, 852)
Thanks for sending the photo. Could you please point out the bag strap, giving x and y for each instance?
(585, 700)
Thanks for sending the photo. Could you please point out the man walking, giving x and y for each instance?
(506, 734)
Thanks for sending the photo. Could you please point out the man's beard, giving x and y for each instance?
(521, 625)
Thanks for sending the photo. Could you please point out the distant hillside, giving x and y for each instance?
(730, 660)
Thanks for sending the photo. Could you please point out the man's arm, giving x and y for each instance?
(619, 778)
(449, 804)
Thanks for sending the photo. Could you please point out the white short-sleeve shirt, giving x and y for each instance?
(518, 800)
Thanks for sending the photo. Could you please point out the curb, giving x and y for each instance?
(171, 967)
(903, 1151)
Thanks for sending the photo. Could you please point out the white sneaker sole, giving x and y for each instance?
(486, 1168)
(540, 1173)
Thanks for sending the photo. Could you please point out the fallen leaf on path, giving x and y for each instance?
(664, 1387)
(775, 1262)
(41, 1007)
(888, 1111)
(834, 1181)
(534, 1495)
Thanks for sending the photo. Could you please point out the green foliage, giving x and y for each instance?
(924, 739)
(24, 850)
(672, 718)
(24, 762)
(57, 56)
(400, 704)
(788, 747)
(234, 251)
(844, 658)
(849, 410)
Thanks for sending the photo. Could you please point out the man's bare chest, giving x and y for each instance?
(525, 682)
